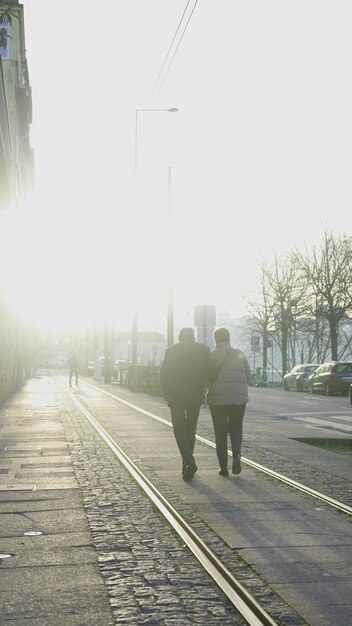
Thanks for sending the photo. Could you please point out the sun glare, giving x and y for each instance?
(250, 173)
(66, 269)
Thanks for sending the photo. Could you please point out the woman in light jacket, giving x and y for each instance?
(227, 398)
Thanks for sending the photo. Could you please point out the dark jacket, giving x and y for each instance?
(73, 363)
(184, 373)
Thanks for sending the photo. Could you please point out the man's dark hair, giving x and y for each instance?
(221, 335)
(186, 334)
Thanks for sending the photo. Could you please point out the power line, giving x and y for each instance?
(168, 52)
(170, 48)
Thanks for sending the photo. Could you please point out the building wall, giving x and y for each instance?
(16, 154)
(16, 168)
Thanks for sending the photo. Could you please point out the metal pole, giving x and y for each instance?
(170, 320)
(134, 337)
(135, 148)
(134, 355)
(134, 334)
(170, 302)
(272, 361)
(107, 372)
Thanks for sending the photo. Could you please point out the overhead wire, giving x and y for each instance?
(171, 45)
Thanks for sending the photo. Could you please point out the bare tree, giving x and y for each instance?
(345, 335)
(286, 294)
(280, 302)
(327, 270)
(262, 316)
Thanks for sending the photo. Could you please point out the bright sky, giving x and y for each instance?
(260, 150)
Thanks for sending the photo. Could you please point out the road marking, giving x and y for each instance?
(332, 425)
(308, 413)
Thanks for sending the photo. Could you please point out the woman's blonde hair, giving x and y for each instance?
(221, 334)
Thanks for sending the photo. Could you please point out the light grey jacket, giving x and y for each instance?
(231, 384)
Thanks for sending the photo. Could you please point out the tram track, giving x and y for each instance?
(271, 540)
(244, 602)
(313, 493)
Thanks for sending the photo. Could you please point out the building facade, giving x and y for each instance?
(16, 154)
(16, 178)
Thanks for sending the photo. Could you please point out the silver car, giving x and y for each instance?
(332, 377)
(298, 378)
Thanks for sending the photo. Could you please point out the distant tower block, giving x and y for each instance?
(205, 321)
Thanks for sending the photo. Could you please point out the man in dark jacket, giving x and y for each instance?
(184, 375)
(73, 365)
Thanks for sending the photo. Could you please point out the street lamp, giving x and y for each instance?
(171, 110)
(134, 338)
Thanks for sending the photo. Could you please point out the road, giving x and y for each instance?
(321, 415)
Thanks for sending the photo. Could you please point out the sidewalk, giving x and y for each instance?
(79, 544)
(49, 572)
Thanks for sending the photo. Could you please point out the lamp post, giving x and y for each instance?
(170, 299)
(107, 355)
(134, 337)
(171, 110)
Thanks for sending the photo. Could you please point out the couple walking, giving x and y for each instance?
(188, 369)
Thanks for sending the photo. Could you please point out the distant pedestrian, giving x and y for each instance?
(227, 398)
(184, 375)
(74, 367)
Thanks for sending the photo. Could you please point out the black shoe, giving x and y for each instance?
(184, 467)
(190, 471)
(236, 464)
(223, 471)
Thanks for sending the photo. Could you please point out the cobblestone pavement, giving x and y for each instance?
(152, 578)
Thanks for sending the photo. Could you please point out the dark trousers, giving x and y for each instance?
(184, 422)
(227, 420)
(73, 373)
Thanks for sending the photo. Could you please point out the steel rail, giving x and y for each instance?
(240, 598)
(340, 506)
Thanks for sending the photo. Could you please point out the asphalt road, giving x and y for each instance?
(327, 416)
(276, 401)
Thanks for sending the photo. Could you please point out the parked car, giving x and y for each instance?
(332, 377)
(112, 366)
(298, 378)
(122, 365)
(90, 368)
